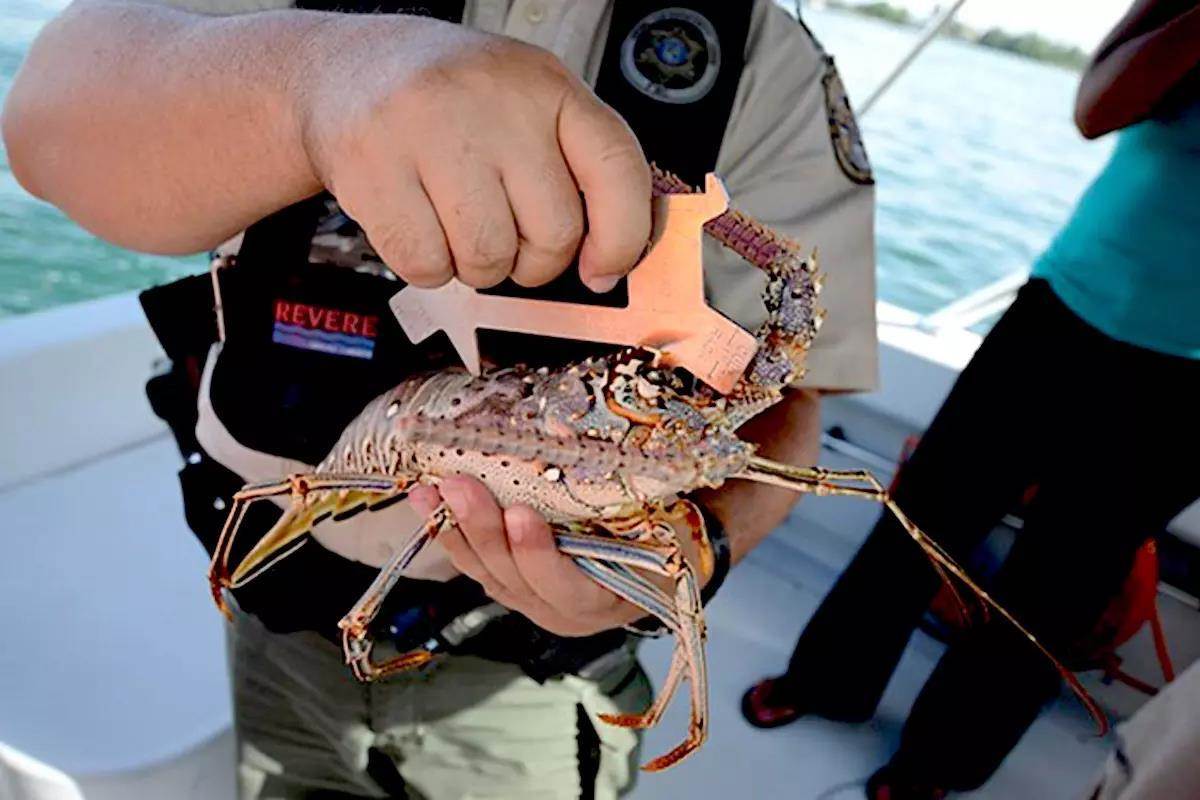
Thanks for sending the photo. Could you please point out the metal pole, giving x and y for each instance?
(931, 29)
(976, 306)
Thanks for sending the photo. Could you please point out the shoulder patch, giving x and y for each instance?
(672, 55)
(843, 128)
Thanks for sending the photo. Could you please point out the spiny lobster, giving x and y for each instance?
(605, 448)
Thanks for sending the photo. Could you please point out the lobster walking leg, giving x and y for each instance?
(632, 587)
(827, 482)
(691, 642)
(651, 716)
(667, 560)
(337, 494)
(355, 626)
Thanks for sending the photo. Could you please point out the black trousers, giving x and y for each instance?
(1106, 431)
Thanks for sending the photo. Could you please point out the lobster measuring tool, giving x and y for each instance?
(666, 311)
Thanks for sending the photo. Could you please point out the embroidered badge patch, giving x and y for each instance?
(672, 55)
(325, 330)
(843, 128)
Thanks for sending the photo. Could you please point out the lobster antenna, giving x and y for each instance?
(821, 481)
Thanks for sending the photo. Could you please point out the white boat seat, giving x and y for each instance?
(25, 778)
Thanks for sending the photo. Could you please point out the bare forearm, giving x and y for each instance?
(1130, 78)
(790, 432)
(167, 131)
(161, 130)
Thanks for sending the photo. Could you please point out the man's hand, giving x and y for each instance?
(465, 154)
(512, 554)
(458, 152)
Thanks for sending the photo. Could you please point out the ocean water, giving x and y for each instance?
(977, 160)
(45, 259)
(975, 156)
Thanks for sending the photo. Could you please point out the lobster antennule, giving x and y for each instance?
(821, 481)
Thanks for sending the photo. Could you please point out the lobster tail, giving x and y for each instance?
(790, 296)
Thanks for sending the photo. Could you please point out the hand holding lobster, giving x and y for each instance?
(512, 554)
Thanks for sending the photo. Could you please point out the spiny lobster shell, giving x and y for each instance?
(577, 443)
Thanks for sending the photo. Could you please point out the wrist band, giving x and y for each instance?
(718, 540)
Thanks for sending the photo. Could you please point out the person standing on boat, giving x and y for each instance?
(458, 150)
(1087, 387)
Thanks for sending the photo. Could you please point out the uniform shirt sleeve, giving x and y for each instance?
(779, 165)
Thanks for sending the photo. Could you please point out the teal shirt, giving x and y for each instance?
(1128, 260)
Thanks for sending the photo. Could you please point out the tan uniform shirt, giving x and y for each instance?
(778, 160)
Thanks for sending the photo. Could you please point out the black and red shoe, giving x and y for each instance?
(771, 703)
(893, 783)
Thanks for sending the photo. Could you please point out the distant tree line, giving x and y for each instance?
(1029, 45)
(884, 11)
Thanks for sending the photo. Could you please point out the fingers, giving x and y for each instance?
(403, 227)
(486, 207)
(512, 554)
(477, 220)
(549, 216)
(470, 160)
(608, 165)
(424, 499)
(553, 575)
(481, 529)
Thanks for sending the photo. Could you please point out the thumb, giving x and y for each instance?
(424, 499)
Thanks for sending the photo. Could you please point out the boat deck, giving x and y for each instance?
(114, 671)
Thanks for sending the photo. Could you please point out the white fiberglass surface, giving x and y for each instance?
(112, 655)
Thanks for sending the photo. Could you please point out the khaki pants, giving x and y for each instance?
(459, 728)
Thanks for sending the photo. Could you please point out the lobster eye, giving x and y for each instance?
(392, 410)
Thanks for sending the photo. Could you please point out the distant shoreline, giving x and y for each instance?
(1027, 45)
